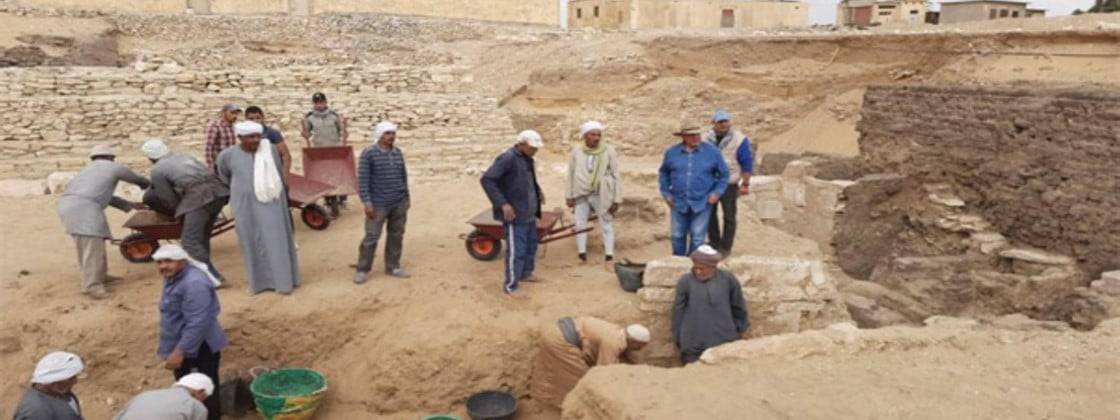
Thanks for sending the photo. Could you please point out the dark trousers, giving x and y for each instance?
(690, 358)
(521, 252)
(729, 203)
(393, 220)
(197, 227)
(205, 363)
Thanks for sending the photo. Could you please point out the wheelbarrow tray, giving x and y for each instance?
(332, 165)
(303, 190)
(547, 229)
(154, 225)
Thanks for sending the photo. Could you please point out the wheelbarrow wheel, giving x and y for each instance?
(138, 248)
(483, 247)
(315, 216)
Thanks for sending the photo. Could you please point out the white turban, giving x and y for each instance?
(246, 128)
(531, 138)
(638, 333)
(57, 366)
(382, 128)
(155, 149)
(589, 126)
(175, 252)
(197, 382)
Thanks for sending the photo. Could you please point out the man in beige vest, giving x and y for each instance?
(736, 150)
(323, 127)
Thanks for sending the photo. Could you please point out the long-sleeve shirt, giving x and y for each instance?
(185, 183)
(175, 403)
(82, 206)
(689, 177)
(512, 179)
(382, 177)
(39, 405)
(219, 136)
(601, 343)
(189, 314)
(708, 313)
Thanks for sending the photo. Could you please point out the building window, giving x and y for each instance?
(992, 13)
(1015, 14)
(913, 12)
(727, 18)
(579, 13)
(886, 13)
(886, 6)
(596, 11)
(1003, 13)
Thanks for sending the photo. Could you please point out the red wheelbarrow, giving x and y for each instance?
(303, 192)
(484, 243)
(149, 227)
(334, 166)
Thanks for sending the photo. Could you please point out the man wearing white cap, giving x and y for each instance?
(736, 150)
(511, 185)
(383, 186)
(82, 210)
(182, 401)
(190, 337)
(183, 187)
(594, 185)
(260, 207)
(570, 347)
(709, 309)
(51, 395)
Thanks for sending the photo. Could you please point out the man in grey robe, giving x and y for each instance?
(709, 309)
(264, 226)
(82, 210)
(51, 395)
(182, 401)
(183, 187)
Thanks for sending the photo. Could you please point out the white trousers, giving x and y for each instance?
(583, 212)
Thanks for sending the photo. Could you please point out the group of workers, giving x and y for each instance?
(704, 171)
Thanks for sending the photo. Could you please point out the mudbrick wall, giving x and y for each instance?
(1041, 165)
(57, 115)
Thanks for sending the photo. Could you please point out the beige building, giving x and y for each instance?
(879, 12)
(699, 14)
(976, 10)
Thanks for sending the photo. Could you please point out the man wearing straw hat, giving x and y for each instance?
(51, 394)
(82, 210)
(190, 337)
(692, 178)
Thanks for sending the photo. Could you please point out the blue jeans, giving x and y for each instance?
(521, 252)
(688, 229)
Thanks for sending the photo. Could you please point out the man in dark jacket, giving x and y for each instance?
(511, 185)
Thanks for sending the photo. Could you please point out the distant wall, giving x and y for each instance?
(1039, 164)
(128, 6)
(698, 14)
(544, 12)
(248, 7)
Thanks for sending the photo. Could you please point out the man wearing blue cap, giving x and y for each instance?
(736, 150)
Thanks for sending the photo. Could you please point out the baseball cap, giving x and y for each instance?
(721, 115)
(231, 107)
(318, 97)
(530, 137)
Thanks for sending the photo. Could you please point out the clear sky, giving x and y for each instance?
(824, 11)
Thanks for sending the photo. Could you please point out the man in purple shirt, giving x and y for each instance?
(190, 337)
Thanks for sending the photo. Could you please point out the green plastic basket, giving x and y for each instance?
(289, 393)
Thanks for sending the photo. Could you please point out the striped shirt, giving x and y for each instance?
(219, 136)
(382, 177)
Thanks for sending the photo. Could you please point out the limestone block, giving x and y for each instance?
(1111, 276)
(1036, 256)
(658, 300)
(768, 209)
(824, 197)
(765, 183)
(57, 181)
(793, 187)
(665, 272)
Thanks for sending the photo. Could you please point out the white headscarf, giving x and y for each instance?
(638, 332)
(175, 252)
(267, 184)
(588, 127)
(197, 382)
(382, 128)
(155, 149)
(57, 366)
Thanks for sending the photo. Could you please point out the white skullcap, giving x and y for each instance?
(638, 333)
(246, 128)
(531, 138)
(382, 128)
(155, 149)
(57, 366)
(101, 150)
(170, 252)
(197, 382)
(589, 126)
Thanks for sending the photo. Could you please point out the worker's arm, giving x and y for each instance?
(664, 178)
(746, 162)
(722, 174)
(223, 171)
(212, 146)
(286, 157)
(344, 130)
(305, 131)
(197, 299)
(491, 179)
(738, 306)
(570, 194)
(610, 354)
(680, 304)
(612, 169)
(365, 181)
(127, 175)
(122, 204)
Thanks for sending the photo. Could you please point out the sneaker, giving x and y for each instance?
(532, 278)
(610, 258)
(398, 273)
(517, 294)
(583, 256)
(98, 294)
(360, 277)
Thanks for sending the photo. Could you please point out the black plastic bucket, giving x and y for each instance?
(629, 275)
(491, 405)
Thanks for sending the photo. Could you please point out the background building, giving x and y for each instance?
(700, 14)
(974, 10)
(878, 12)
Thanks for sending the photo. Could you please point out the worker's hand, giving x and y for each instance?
(712, 198)
(174, 361)
(570, 202)
(744, 189)
(613, 209)
(542, 198)
(507, 213)
(669, 202)
(371, 212)
(139, 206)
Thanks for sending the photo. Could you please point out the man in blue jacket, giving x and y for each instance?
(511, 185)
(693, 176)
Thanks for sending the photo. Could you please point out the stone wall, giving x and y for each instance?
(1041, 165)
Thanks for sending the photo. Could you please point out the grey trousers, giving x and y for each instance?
(197, 227)
(92, 262)
(729, 203)
(395, 219)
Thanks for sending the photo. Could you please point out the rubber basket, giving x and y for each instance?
(289, 393)
(630, 275)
